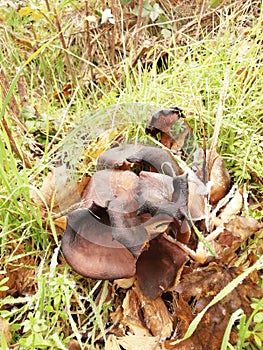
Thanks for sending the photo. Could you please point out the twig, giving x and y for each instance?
(48, 6)
(88, 40)
(12, 107)
(200, 19)
(18, 152)
(113, 34)
(21, 87)
(218, 121)
(63, 43)
(138, 24)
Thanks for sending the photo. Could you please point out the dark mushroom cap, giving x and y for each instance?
(89, 249)
(158, 158)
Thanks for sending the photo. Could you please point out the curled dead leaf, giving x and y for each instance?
(143, 316)
(220, 179)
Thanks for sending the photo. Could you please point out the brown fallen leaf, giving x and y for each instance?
(233, 207)
(143, 316)
(183, 316)
(162, 122)
(156, 316)
(20, 272)
(217, 174)
(112, 343)
(61, 222)
(95, 148)
(58, 192)
(220, 179)
(131, 342)
(234, 234)
(132, 317)
(5, 332)
(74, 345)
(201, 286)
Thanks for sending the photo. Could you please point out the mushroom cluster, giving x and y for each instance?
(136, 208)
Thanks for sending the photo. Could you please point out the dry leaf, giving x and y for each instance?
(74, 345)
(124, 283)
(132, 318)
(59, 191)
(131, 342)
(112, 343)
(220, 179)
(162, 122)
(61, 222)
(233, 207)
(5, 330)
(202, 285)
(143, 316)
(21, 276)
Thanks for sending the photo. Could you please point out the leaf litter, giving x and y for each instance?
(138, 222)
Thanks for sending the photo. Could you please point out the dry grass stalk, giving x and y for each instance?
(138, 24)
(12, 107)
(218, 121)
(18, 152)
(21, 87)
(70, 70)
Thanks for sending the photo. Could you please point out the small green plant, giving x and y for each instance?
(157, 16)
(250, 330)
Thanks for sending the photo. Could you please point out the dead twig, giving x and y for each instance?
(12, 107)
(18, 152)
(70, 70)
(138, 24)
(113, 34)
(88, 40)
(21, 87)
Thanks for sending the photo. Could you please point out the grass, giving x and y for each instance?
(62, 305)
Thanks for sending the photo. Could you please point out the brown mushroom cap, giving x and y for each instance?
(159, 266)
(164, 120)
(89, 249)
(105, 185)
(158, 158)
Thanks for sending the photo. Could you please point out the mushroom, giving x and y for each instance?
(159, 267)
(107, 184)
(89, 249)
(163, 194)
(160, 159)
(162, 122)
